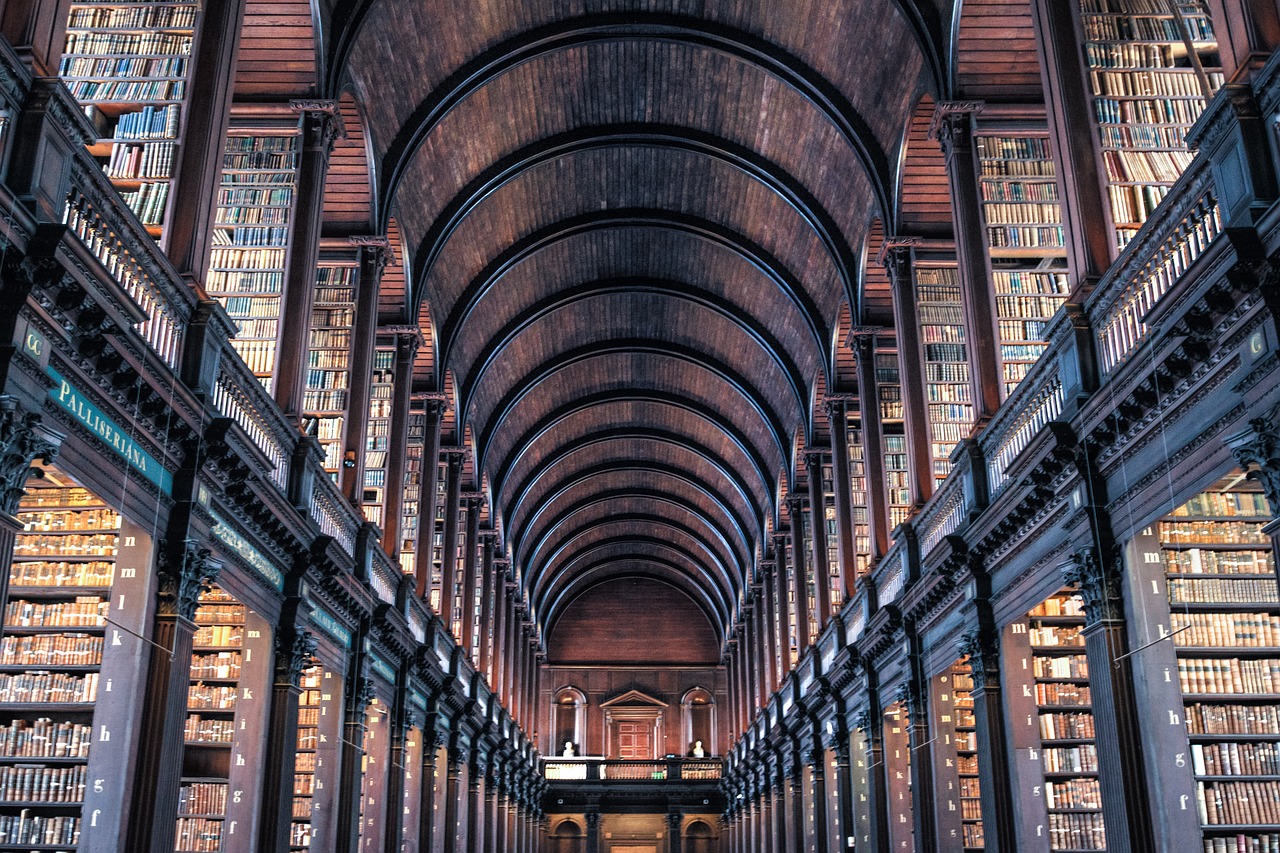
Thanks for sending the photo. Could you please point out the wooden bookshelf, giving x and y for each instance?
(1064, 708)
(1224, 619)
(825, 525)
(315, 780)
(411, 517)
(897, 767)
(892, 424)
(373, 776)
(51, 655)
(1153, 65)
(251, 240)
(858, 511)
(945, 353)
(328, 382)
(437, 536)
(127, 63)
(1025, 244)
(378, 432)
(959, 808)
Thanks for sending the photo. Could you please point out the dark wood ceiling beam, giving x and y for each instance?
(530, 315)
(715, 233)
(701, 502)
(631, 542)
(575, 580)
(516, 523)
(745, 160)
(931, 34)
(756, 399)
(735, 554)
(631, 26)
(758, 499)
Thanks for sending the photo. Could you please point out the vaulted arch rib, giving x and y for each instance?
(734, 539)
(671, 289)
(541, 581)
(631, 26)
(529, 245)
(638, 346)
(746, 160)
(625, 433)
(576, 581)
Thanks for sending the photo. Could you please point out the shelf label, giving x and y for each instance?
(245, 551)
(331, 626)
(382, 668)
(92, 418)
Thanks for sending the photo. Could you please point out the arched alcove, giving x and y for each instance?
(697, 712)
(570, 720)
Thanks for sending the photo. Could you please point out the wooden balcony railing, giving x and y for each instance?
(593, 769)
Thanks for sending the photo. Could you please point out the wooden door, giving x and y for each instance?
(635, 740)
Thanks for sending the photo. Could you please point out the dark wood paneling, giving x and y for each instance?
(633, 621)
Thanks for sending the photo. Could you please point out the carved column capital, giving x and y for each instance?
(862, 720)
(22, 441)
(183, 575)
(294, 654)
(1257, 449)
(1099, 584)
(983, 653)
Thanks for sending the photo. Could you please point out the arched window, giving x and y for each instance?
(570, 723)
(698, 710)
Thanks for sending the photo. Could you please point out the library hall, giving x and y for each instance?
(639, 426)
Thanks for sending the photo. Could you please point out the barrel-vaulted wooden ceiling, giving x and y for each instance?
(636, 230)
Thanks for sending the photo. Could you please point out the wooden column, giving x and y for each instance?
(765, 638)
(484, 660)
(1247, 33)
(778, 795)
(501, 648)
(1126, 809)
(294, 650)
(375, 253)
(816, 760)
(22, 441)
(431, 740)
(393, 807)
(475, 809)
(433, 410)
(862, 340)
(846, 546)
(794, 797)
(471, 504)
(359, 693)
(454, 831)
(1086, 215)
(510, 659)
(321, 125)
(915, 403)
(983, 649)
(674, 821)
(408, 339)
(153, 804)
(843, 773)
(870, 722)
(764, 818)
(800, 575)
(915, 701)
(452, 506)
(491, 836)
(814, 460)
(747, 657)
(953, 124)
(593, 830)
(197, 167)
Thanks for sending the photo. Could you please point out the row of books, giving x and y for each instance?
(1213, 719)
(1213, 533)
(251, 215)
(198, 835)
(1055, 693)
(1161, 83)
(218, 635)
(198, 729)
(146, 16)
(1021, 212)
(1134, 204)
(251, 196)
(203, 697)
(1212, 675)
(62, 573)
(92, 519)
(216, 665)
(1022, 330)
(28, 828)
(88, 44)
(1018, 191)
(43, 738)
(326, 401)
(1182, 113)
(1145, 166)
(241, 281)
(1035, 148)
(202, 798)
(1071, 759)
(72, 544)
(86, 611)
(1143, 136)
(265, 160)
(1226, 504)
(1136, 55)
(250, 236)
(1223, 591)
(220, 614)
(1225, 630)
(1146, 28)
(134, 68)
(341, 317)
(319, 359)
(56, 650)
(1066, 726)
(256, 328)
(1236, 759)
(1025, 237)
(148, 202)
(260, 356)
(33, 783)
(1056, 635)
(1079, 793)
(127, 90)
(48, 687)
(53, 498)
(1238, 803)
(991, 170)
(1267, 842)
(1076, 831)
(1060, 666)
(148, 123)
